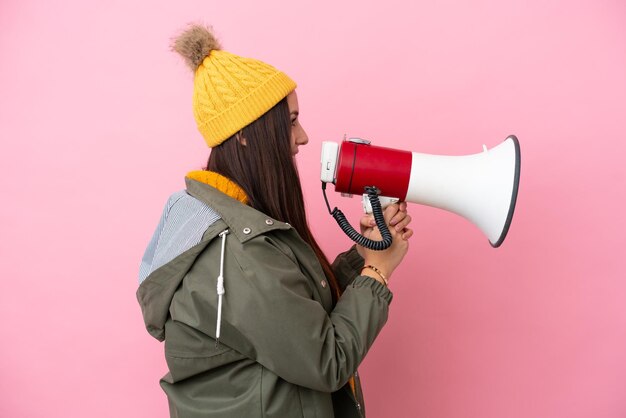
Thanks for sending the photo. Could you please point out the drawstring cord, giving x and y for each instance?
(220, 289)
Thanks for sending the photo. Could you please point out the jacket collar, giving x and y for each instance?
(243, 221)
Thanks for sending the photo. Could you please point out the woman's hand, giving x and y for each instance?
(397, 219)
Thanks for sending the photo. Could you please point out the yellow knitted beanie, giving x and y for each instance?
(230, 91)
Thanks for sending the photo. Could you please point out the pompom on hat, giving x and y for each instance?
(230, 91)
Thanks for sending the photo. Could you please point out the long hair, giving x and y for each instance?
(265, 169)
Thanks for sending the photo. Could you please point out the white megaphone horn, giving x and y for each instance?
(481, 187)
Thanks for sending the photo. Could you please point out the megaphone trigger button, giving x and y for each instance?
(360, 141)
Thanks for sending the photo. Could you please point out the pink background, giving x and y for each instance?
(97, 131)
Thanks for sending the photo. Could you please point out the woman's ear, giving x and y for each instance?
(240, 138)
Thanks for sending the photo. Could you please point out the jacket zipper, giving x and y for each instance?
(357, 387)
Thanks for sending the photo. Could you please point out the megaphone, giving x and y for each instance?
(480, 187)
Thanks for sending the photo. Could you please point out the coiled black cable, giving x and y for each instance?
(377, 211)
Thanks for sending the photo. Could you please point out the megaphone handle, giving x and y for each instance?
(353, 234)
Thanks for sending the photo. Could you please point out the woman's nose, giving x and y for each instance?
(303, 138)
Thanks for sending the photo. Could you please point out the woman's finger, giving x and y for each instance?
(400, 215)
(407, 233)
(390, 212)
(367, 221)
(403, 223)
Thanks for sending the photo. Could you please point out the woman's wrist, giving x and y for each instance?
(377, 275)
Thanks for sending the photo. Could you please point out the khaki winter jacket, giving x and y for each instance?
(284, 351)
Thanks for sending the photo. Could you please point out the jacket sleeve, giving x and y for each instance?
(272, 317)
(347, 266)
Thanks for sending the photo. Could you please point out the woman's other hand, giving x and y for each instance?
(397, 219)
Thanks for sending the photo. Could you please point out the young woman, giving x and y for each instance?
(256, 321)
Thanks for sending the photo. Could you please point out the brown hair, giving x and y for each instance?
(265, 169)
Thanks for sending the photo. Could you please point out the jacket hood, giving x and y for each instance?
(244, 222)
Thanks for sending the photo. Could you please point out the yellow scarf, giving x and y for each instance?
(221, 183)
